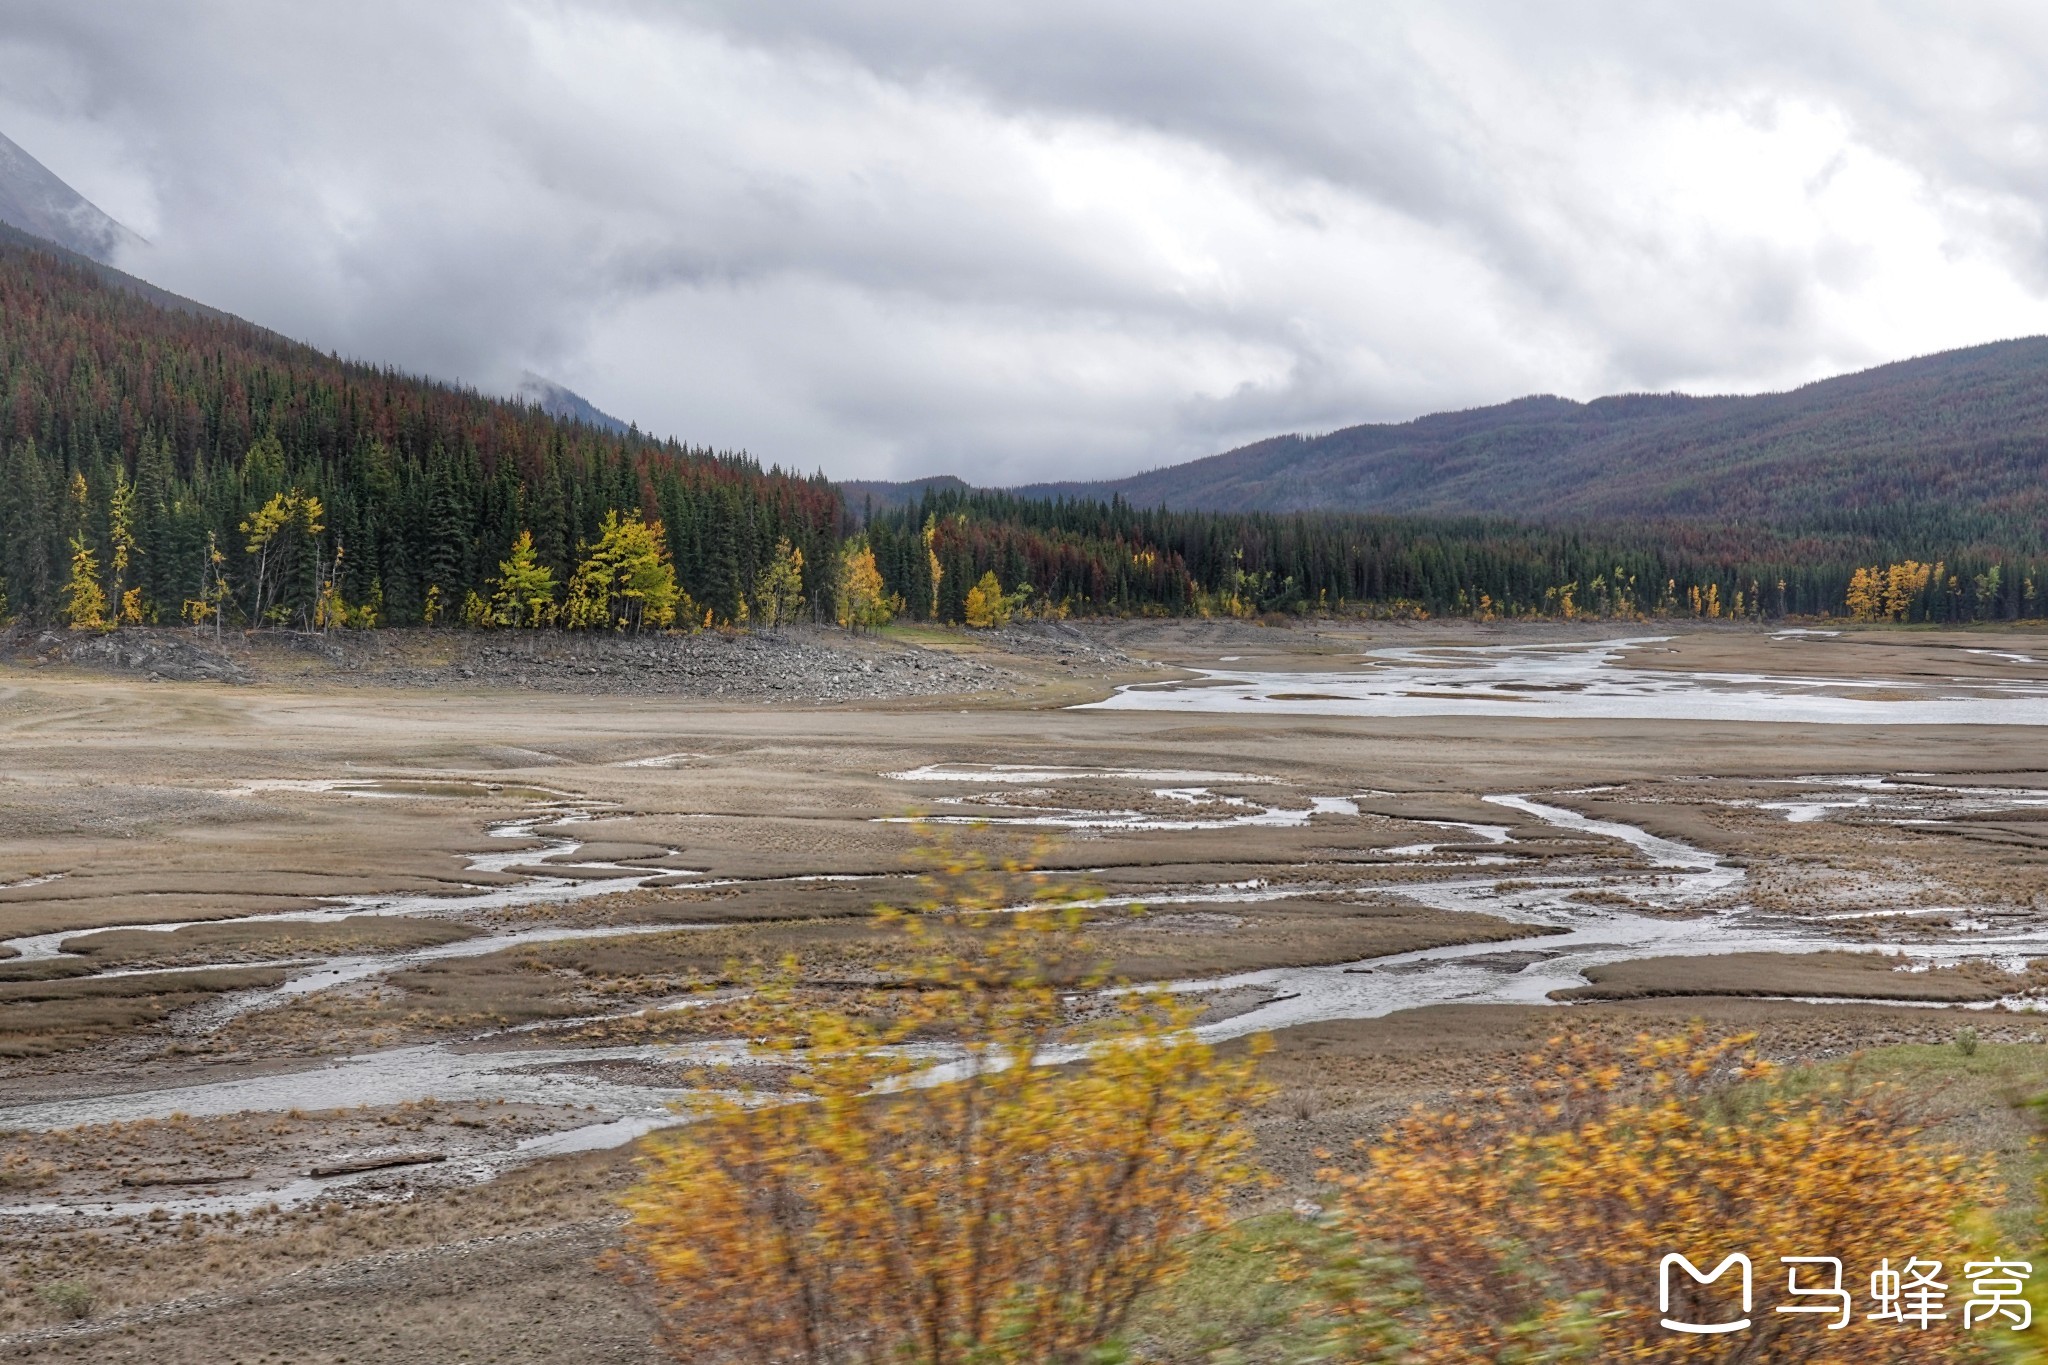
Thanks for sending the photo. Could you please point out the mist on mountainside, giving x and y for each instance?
(34, 199)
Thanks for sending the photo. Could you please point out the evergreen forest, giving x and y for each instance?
(150, 442)
(163, 464)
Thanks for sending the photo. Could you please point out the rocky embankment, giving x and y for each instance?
(805, 663)
(799, 665)
(174, 656)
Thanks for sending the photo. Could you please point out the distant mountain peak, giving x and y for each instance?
(35, 200)
(565, 403)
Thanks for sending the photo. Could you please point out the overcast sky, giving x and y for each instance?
(1054, 238)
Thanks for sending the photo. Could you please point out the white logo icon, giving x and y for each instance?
(1702, 1329)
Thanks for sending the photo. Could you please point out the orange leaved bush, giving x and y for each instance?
(1531, 1223)
(954, 1180)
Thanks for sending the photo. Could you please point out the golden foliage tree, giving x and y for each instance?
(128, 603)
(626, 581)
(1866, 594)
(1530, 1223)
(214, 596)
(281, 533)
(990, 1208)
(1904, 582)
(523, 593)
(1887, 592)
(85, 602)
(779, 590)
(933, 569)
(865, 603)
(987, 605)
(332, 608)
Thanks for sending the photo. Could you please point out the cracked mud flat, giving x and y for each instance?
(333, 929)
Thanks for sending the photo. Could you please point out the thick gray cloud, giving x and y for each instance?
(892, 237)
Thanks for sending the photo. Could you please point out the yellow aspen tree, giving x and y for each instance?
(280, 532)
(366, 614)
(977, 1208)
(1985, 588)
(987, 606)
(330, 608)
(1866, 594)
(1904, 582)
(864, 600)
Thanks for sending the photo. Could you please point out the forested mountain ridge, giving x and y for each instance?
(1964, 430)
(108, 275)
(163, 462)
(154, 439)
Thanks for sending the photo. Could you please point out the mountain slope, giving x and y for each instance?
(108, 275)
(35, 200)
(143, 432)
(1965, 429)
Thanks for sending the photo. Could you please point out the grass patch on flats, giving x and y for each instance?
(38, 1018)
(1982, 1096)
(1237, 1303)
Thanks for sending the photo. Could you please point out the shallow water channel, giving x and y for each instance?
(1583, 681)
(1695, 899)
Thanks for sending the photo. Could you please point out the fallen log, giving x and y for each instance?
(377, 1163)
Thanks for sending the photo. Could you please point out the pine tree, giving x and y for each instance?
(28, 531)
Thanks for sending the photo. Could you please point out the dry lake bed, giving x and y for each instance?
(330, 1007)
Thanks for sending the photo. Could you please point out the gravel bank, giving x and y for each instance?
(811, 664)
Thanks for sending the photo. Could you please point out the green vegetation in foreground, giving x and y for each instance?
(1235, 1303)
(1987, 1098)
